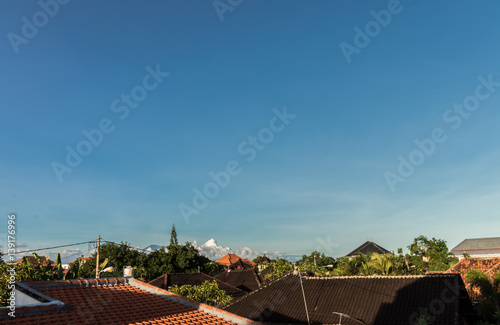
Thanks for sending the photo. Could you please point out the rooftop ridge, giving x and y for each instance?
(377, 276)
(40, 285)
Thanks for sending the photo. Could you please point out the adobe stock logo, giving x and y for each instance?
(248, 149)
(223, 6)
(30, 28)
(363, 37)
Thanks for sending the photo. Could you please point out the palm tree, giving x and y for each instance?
(382, 264)
(489, 306)
(364, 264)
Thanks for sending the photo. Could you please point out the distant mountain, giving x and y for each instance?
(213, 251)
(151, 248)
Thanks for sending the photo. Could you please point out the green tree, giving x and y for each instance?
(116, 255)
(276, 269)
(429, 255)
(207, 293)
(364, 262)
(58, 268)
(176, 259)
(382, 264)
(489, 306)
(348, 266)
(173, 236)
(25, 271)
(318, 259)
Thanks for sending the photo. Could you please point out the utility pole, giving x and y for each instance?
(97, 260)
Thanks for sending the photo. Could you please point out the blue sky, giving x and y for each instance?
(318, 180)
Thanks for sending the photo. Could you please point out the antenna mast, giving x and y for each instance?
(304, 296)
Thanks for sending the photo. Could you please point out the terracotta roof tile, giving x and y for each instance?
(487, 265)
(114, 301)
(32, 259)
(233, 258)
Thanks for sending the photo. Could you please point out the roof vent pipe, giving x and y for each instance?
(128, 272)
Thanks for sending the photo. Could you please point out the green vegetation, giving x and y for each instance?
(173, 236)
(24, 271)
(488, 308)
(274, 270)
(208, 293)
(424, 255)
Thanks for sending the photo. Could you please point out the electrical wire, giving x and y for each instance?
(42, 249)
(144, 250)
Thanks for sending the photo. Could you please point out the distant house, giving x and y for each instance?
(234, 262)
(32, 259)
(478, 247)
(489, 266)
(366, 248)
(111, 301)
(247, 280)
(263, 259)
(170, 279)
(388, 300)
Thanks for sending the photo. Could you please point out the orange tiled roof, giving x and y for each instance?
(32, 259)
(469, 263)
(487, 265)
(113, 301)
(233, 258)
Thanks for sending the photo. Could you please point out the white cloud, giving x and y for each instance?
(214, 251)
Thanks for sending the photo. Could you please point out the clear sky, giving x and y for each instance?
(333, 122)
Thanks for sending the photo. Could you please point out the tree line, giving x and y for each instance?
(423, 255)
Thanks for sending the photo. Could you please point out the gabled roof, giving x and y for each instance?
(387, 300)
(241, 264)
(475, 244)
(368, 247)
(32, 259)
(170, 279)
(246, 280)
(233, 258)
(263, 259)
(111, 301)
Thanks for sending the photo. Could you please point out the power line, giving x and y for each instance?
(75, 254)
(107, 241)
(42, 249)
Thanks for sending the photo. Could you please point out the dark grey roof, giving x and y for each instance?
(478, 244)
(368, 247)
(246, 280)
(388, 300)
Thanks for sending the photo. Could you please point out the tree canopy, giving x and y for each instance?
(207, 293)
(173, 236)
